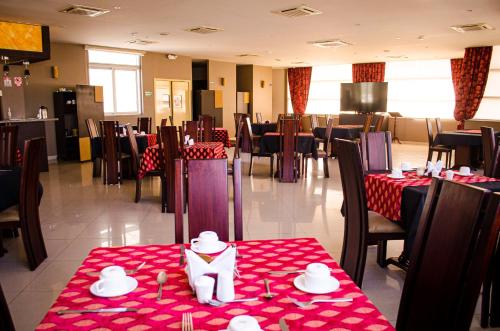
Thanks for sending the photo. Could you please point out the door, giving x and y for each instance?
(172, 98)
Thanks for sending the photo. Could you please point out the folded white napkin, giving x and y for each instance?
(433, 167)
(186, 139)
(197, 267)
(191, 142)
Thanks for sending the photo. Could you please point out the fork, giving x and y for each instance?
(187, 322)
(217, 303)
(303, 304)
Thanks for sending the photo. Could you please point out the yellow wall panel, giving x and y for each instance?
(219, 99)
(85, 149)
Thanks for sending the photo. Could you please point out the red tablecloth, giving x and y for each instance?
(151, 139)
(384, 193)
(151, 159)
(221, 135)
(258, 257)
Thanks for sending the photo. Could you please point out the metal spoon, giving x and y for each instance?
(161, 279)
(268, 294)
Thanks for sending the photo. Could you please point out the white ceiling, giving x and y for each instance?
(376, 28)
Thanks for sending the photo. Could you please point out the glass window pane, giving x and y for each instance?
(493, 85)
(488, 109)
(495, 58)
(113, 58)
(126, 84)
(104, 78)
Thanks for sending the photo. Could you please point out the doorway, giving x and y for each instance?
(172, 98)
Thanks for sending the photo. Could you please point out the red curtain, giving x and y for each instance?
(368, 72)
(299, 80)
(471, 82)
(456, 67)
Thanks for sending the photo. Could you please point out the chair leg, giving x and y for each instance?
(251, 164)
(2, 250)
(305, 166)
(272, 165)
(439, 156)
(138, 189)
(485, 303)
(446, 160)
(325, 167)
(429, 155)
(382, 253)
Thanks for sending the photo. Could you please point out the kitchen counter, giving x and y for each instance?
(24, 120)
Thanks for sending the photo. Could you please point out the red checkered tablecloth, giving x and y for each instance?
(384, 193)
(152, 139)
(221, 135)
(258, 257)
(150, 161)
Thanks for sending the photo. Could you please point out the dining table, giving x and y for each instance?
(10, 181)
(255, 259)
(343, 131)
(143, 141)
(221, 135)
(260, 129)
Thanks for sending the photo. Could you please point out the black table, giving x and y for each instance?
(340, 131)
(96, 146)
(10, 181)
(269, 144)
(261, 129)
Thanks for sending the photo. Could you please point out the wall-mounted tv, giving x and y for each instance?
(363, 97)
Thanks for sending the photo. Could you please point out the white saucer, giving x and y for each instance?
(408, 170)
(131, 284)
(333, 285)
(395, 177)
(218, 247)
(459, 174)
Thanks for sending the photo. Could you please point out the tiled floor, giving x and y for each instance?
(79, 213)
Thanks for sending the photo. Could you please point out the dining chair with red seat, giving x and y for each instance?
(94, 134)
(362, 227)
(144, 124)
(253, 148)
(171, 151)
(207, 198)
(288, 159)
(323, 153)
(440, 149)
(26, 215)
(6, 323)
(376, 151)
(8, 146)
(207, 123)
(192, 128)
(489, 146)
(455, 239)
(114, 160)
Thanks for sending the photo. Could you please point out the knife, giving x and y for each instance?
(101, 310)
(283, 325)
(286, 272)
(181, 259)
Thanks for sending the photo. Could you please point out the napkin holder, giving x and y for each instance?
(197, 266)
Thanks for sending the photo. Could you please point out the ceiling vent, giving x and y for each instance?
(204, 29)
(298, 11)
(333, 43)
(142, 42)
(472, 27)
(247, 55)
(84, 11)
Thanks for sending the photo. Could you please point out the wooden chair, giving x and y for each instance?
(278, 123)
(258, 116)
(207, 123)
(362, 227)
(170, 143)
(114, 160)
(489, 146)
(6, 323)
(306, 123)
(171, 119)
(144, 124)
(192, 128)
(440, 149)
(368, 123)
(376, 151)
(207, 198)
(288, 157)
(164, 122)
(97, 157)
(454, 243)
(8, 146)
(322, 153)
(25, 216)
(439, 126)
(322, 122)
(379, 123)
(136, 163)
(314, 121)
(254, 148)
(236, 154)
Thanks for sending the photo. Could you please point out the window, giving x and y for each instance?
(488, 109)
(120, 76)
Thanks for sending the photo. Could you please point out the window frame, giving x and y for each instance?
(114, 67)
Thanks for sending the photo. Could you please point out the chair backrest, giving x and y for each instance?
(134, 149)
(239, 129)
(171, 119)
(164, 122)
(6, 323)
(376, 151)
(289, 129)
(368, 122)
(92, 128)
(191, 128)
(258, 116)
(322, 121)
(439, 127)
(314, 121)
(111, 150)
(246, 135)
(207, 198)
(430, 136)
(356, 212)
(278, 123)
(208, 124)
(144, 124)
(8, 146)
(328, 135)
(489, 145)
(456, 235)
(170, 145)
(29, 201)
(379, 123)
(306, 123)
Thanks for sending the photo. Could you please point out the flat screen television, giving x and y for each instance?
(363, 97)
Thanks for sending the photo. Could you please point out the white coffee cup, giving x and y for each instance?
(143, 132)
(112, 279)
(397, 172)
(135, 131)
(420, 171)
(449, 174)
(243, 323)
(204, 286)
(191, 142)
(464, 171)
(316, 276)
(206, 240)
(405, 166)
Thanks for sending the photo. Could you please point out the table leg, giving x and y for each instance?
(395, 137)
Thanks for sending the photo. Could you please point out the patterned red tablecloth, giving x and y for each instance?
(221, 135)
(151, 159)
(151, 139)
(258, 257)
(384, 193)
